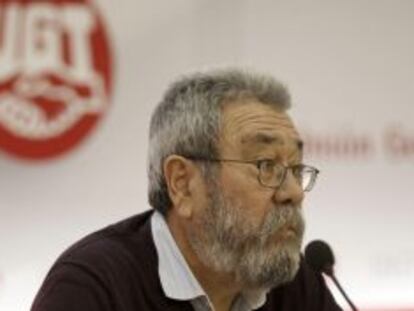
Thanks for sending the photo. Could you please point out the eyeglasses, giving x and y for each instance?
(273, 174)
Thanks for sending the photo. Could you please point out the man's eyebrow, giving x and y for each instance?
(261, 138)
(266, 139)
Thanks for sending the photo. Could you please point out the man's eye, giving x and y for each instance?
(297, 171)
(267, 165)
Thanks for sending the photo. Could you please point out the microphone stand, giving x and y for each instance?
(329, 272)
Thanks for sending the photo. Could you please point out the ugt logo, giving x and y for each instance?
(55, 75)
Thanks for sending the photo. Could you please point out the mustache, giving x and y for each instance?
(283, 217)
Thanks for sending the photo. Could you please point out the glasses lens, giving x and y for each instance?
(271, 174)
(308, 178)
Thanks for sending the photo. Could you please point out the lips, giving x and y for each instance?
(289, 232)
(282, 235)
(282, 224)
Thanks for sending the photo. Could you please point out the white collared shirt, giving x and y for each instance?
(179, 282)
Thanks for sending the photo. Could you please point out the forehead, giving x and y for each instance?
(252, 124)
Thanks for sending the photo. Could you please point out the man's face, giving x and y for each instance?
(244, 228)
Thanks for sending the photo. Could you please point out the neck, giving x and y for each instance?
(220, 288)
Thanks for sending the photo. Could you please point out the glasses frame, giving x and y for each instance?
(259, 165)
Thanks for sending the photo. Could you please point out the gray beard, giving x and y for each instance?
(226, 241)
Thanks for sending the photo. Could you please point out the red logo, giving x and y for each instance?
(55, 75)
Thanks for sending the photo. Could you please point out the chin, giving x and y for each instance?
(271, 269)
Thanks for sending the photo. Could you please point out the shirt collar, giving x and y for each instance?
(177, 279)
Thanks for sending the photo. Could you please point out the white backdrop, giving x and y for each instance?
(350, 68)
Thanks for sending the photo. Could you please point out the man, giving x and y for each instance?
(226, 181)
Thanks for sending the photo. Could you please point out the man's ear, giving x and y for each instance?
(179, 173)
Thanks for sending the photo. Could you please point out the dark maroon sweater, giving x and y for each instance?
(116, 269)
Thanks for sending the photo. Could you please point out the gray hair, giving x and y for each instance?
(187, 120)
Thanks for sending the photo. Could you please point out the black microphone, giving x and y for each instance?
(320, 258)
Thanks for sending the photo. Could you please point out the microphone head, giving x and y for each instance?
(320, 257)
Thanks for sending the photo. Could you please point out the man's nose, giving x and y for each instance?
(290, 191)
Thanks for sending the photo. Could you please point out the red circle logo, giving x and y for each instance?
(55, 75)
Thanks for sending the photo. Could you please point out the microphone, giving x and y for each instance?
(319, 256)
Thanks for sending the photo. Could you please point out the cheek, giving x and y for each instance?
(257, 206)
(199, 199)
(246, 194)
